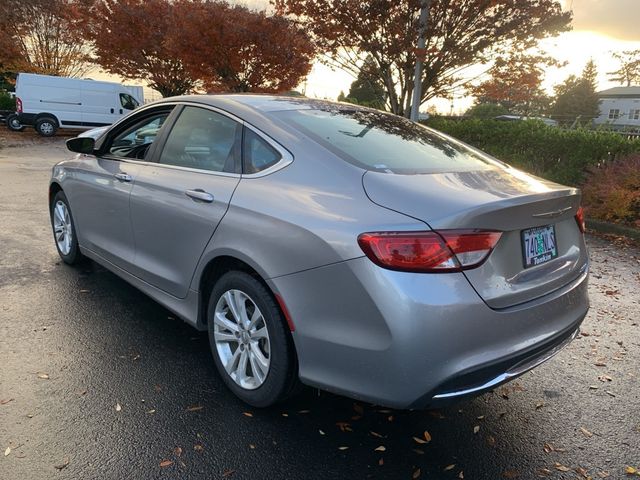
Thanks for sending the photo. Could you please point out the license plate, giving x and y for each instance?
(539, 245)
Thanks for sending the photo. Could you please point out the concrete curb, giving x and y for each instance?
(606, 227)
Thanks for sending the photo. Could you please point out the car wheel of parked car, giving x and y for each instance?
(64, 231)
(250, 341)
(13, 123)
(46, 126)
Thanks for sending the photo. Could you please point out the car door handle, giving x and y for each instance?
(123, 177)
(199, 194)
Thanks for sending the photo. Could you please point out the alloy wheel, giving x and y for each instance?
(62, 227)
(242, 339)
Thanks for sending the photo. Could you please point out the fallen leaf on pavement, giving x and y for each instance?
(44, 376)
(7, 451)
(630, 470)
(198, 447)
(321, 432)
(561, 468)
(419, 440)
(381, 448)
(427, 436)
(582, 472)
(344, 426)
(376, 434)
(604, 474)
(195, 408)
(416, 474)
(476, 429)
(610, 393)
(539, 405)
(586, 432)
(461, 474)
(63, 465)
(449, 467)
(177, 451)
(4, 402)
(165, 463)
(247, 414)
(118, 407)
(343, 448)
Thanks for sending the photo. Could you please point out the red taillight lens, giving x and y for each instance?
(444, 251)
(580, 220)
(18, 105)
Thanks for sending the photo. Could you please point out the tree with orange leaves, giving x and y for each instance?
(459, 33)
(41, 36)
(516, 83)
(235, 49)
(185, 45)
(131, 38)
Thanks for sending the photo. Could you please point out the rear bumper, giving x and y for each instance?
(27, 118)
(415, 340)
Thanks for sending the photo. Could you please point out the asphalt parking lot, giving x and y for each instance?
(97, 381)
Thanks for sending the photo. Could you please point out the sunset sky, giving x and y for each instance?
(599, 27)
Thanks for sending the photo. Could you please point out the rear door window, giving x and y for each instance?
(205, 140)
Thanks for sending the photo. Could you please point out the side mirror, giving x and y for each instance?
(81, 145)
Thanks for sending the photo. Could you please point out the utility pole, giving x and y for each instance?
(417, 80)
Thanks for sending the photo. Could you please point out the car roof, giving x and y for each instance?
(262, 103)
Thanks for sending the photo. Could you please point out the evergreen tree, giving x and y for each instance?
(367, 89)
(576, 97)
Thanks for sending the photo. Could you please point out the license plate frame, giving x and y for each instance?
(547, 245)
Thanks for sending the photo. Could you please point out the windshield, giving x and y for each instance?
(383, 142)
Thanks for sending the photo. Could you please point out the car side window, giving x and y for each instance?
(134, 142)
(258, 155)
(203, 139)
(128, 102)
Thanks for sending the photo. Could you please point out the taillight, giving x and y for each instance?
(18, 105)
(580, 220)
(443, 251)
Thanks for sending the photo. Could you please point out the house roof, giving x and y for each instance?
(618, 92)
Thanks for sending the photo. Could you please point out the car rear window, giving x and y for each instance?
(383, 142)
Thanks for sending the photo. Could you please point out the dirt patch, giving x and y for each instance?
(29, 137)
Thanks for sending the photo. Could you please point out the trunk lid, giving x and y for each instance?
(507, 200)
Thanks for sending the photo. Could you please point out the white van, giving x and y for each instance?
(49, 103)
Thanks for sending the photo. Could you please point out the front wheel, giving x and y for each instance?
(13, 123)
(64, 231)
(251, 345)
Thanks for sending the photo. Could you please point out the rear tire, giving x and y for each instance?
(46, 126)
(64, 231)
(241, 349)
(13, 123)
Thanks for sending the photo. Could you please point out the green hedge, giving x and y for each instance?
(7, 102)
(549, 152)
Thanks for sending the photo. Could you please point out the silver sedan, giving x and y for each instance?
(324, 244)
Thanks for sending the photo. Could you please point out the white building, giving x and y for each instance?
(619, 107)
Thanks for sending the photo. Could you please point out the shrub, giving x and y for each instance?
(612, 191)
(7, 102)
(560, 155)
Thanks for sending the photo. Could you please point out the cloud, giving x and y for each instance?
(615, 18)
